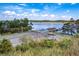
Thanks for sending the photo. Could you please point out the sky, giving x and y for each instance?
(39, 11)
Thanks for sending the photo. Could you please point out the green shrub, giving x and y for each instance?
(5, 46)
(65, 43)
(22, 47)
(29, 27)
(47, 43)
(43, 43)
(33, 44)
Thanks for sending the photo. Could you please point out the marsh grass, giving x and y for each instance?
(65, 47)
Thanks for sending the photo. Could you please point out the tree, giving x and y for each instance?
(69, 28)
(71, 19)
(66, 28)
(16, 25)
(1, 26)
(77, 25)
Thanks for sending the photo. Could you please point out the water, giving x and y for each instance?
(45, 25)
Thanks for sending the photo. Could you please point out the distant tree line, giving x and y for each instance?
(51, 21)
(71, 27)
(16, 25)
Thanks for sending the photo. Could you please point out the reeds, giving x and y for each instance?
(65, 47)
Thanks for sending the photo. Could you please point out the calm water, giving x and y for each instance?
(45, 25)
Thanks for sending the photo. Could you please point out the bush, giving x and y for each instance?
(33, 44)
(22, 47)
(29, 27)
(47, 43)
(43, 43)
(65, 43)
(5, 46)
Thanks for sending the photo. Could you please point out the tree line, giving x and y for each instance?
(16, 25)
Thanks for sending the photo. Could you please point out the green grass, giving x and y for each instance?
(65, 47)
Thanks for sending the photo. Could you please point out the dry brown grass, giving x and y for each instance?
(65, 47)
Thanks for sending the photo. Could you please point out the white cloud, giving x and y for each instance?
(63, 16)
(52, 15)
(67, 11)
(22, 15)
(73, 3)
(66, 17)
(31, 15)
(34, 10)
(59, 3)
(13, 8)
(22, 4)
(44, 15)
(18, 14)
(46, 7)
(9, 12)
(17, 7)
(47, 16)
(70, 16)
(28, 15)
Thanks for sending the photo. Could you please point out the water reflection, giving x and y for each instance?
(45, 25)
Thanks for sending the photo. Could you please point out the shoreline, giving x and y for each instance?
(35, 35)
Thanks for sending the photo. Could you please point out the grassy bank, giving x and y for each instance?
(65, 47)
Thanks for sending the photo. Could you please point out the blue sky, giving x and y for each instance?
(39, 11)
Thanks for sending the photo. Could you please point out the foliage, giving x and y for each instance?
(66, 46)
(5, 46)
(47, 43)
(16, 25)
(65, 43)
(69, 28)
(22, 47)
(77, 25)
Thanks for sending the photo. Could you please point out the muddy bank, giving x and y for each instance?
(35, 35)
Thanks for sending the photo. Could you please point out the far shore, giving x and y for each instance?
(48, 21)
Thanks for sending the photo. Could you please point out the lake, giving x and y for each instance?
(45, 25)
